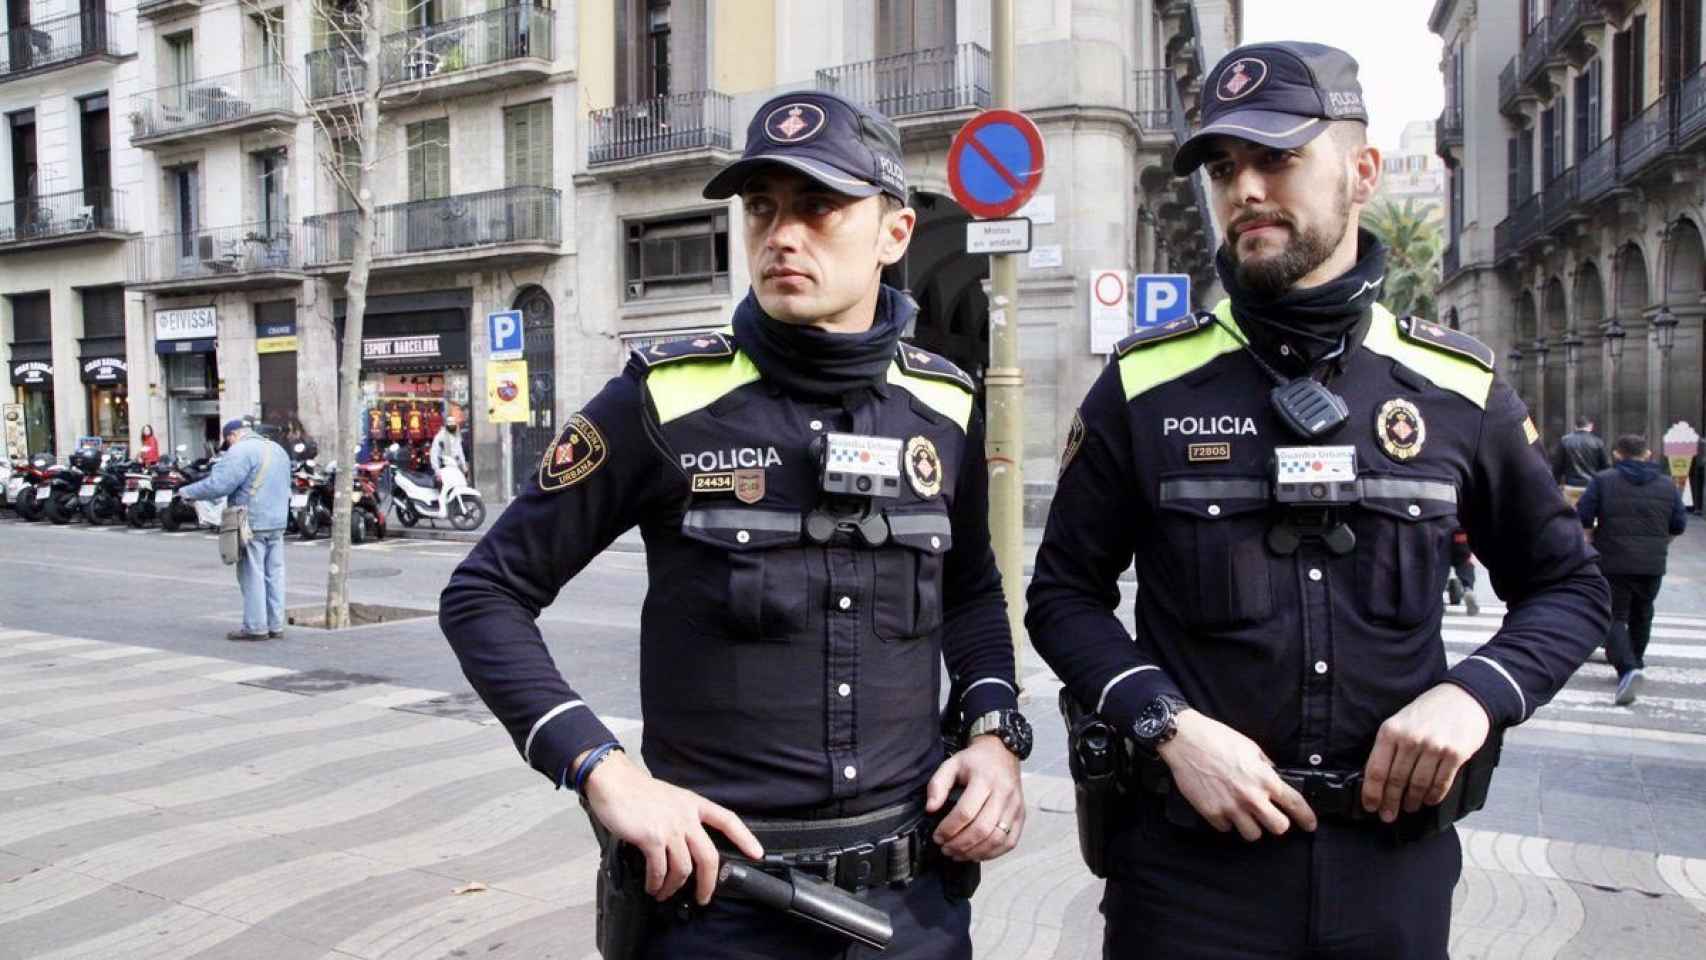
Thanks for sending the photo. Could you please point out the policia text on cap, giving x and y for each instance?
(813, 498)
(1295, 742)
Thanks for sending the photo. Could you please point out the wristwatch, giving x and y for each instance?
(1157, 722)
(1009, 725)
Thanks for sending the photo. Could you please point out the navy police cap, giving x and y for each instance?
(848, 148)
(1276, 94)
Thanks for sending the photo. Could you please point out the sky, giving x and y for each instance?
(1398, 58)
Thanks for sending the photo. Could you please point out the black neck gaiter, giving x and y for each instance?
(809, 362)
(1300, 328)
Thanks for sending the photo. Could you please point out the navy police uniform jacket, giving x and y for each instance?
(1169, 463)
(776, 675)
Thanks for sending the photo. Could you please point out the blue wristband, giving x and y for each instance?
(598, 755)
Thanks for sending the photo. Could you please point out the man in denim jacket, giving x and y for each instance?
(260, 571)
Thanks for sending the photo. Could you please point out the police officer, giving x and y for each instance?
(792, 637)
(1288, 611)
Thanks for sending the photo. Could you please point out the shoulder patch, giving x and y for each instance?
(1184, 326)
(704, 347)
(575, 455)
(922, 363)
(1446, 340)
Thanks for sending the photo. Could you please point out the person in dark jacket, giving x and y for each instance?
(1580, 455)
(1631, 512)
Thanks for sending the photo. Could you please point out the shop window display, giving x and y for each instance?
(408, 409)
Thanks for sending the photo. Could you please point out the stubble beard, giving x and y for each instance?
(1268, 277)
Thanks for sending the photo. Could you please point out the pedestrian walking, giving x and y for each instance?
(814, 500)
(1461, 587)
(1579, 455)
(254, 473)
(1631, 512)
(1285, 473)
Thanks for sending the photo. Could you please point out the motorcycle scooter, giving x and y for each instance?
(27, 489)
(418, 497)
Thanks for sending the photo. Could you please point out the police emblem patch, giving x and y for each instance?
(1241, 79)
(574, 455)
(749, 485)
(1400, 429)
(794, 122)
(1074, 440)
(923, 467)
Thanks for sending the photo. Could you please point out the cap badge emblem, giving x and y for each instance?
(1241, 79)
(794, 122)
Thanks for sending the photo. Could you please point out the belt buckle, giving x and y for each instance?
(1328, 791)
(853, 868)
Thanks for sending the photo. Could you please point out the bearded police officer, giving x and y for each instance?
(813, 498)
(1287, 473)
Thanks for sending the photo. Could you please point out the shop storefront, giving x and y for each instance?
(187, 340)
(275, 349)
(414, 375)
(32, 388)
(106, 382)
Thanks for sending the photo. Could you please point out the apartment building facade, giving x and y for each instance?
(1413, 174)
(67, 207)
(668, 87)
(1576, 135)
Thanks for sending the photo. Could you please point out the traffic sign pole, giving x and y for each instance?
(1004, 380)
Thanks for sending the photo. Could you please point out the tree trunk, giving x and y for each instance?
(349, 375)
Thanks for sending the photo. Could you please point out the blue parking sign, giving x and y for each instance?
(1159, 298)
(504, 327)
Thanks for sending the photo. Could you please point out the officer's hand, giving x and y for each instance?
(1229, 780)
(667, 824)
(993, 799)
(1419, 750)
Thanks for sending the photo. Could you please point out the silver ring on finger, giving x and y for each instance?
(1004, 827)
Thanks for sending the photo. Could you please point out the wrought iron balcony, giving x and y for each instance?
(1509, 90)
(242, 257)
(59, 42)
(1504, 239)
(1158, 103)
(229, 103)
(1571, 20)
(1526, 221)
(1559, 201)
(75, 216)
(1536, 51)
(491, 225)
(1448, 129)
(1449, 261)
(1646, 138)
(1691, 108)
(661, 125)
(508, 46)
(1598, 172)
(909, 84)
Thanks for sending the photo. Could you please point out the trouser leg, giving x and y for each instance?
(275, 579)
(1618, 648)
(1644, 591)
(251, 580)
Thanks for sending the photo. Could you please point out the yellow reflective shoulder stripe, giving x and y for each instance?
(678, 389)
(1460, 375)
(1145, 368)
(948, 399)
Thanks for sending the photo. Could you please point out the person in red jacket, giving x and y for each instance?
(150, 453)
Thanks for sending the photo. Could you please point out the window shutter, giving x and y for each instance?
(1512, 168)
(1596, 128)
(527, 145)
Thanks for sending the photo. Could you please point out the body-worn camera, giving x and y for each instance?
(1312, 483)
(854, 473)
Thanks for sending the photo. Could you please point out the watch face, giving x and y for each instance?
(1152, 723)
(1018, 735)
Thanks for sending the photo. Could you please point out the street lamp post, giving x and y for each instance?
(1664, 328)
(1572, 377)
(1614, 334)
(1540, 349)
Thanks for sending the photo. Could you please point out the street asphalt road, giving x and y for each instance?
(169, 794)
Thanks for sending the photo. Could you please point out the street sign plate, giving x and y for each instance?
(998, 236)
(1108, 310)
(1160, 298)
(995, 163)
(504, 329)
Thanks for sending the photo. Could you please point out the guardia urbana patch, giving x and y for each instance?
(577, 453)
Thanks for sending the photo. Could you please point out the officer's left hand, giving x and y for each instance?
(1419, 750)
(992, 799)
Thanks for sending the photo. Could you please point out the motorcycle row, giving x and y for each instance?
(99, 488)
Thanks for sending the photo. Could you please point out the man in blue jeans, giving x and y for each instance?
(255, 472)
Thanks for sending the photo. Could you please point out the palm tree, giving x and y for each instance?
(1412, 256)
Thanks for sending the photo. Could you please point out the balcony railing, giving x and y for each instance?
(1504, 239)
(1448, 129)
(219, 254)
(923, 81)
(61, 215)
(1508, 87)
(481, 40)
(509, 215)
(1598, 171)
(684, 121)
(335, 72)
(1535, 51)
(1645, 138)
(1560, 197)
(1691, 107)
(229, 98)
(1570, 16)
(1525, 222)
(1157, 100)
(48, 43)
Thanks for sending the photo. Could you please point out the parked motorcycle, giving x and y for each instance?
(105, 503)
(421, 499)
(373, 491)
(174, 510)
(67, 489)
(138, 496)
(311, 498)
(28, 488)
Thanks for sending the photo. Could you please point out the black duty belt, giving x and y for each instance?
(886, 846)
